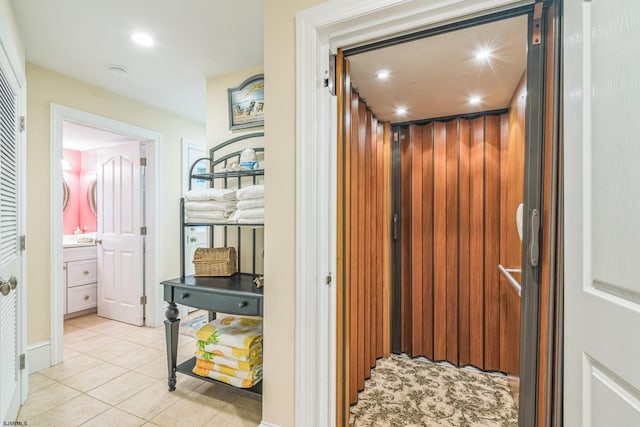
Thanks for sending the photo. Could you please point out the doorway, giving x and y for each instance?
(461, 174)
(150, 193)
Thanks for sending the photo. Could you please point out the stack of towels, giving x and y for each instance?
(250, 205)
(229, 349)
(209, 205)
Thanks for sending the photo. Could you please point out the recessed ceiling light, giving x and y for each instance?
(382, 74)
(142, 39)
(483, 54)
(474, 100)
(401, 111)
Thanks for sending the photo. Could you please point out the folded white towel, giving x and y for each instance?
(209, 205)
(251, 203)
(197, 216)
(251, 221)
(218, 194)
(246, 214)
(251, 192)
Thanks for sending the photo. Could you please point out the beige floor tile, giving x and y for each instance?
(144, 336)
(110, 327)
(91, 344)
(151, 401)
(190, 411)
(231, 416)
(72, 366)
(72, 413)
(87, 320)
(121, 388)
(139, 357)
(155, 368)
(115, 349)
(217, 391)
(78, 335)
(94, 376)
(114, 417)
(45, 399)
(38, 381)
(69, 328)
(68, 353)
(248, 401)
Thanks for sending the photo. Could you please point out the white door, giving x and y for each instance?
(120, 279)
(10, 254)
(602, 209)
(195, 237)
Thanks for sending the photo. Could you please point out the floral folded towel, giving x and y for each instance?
(253, 374)
(243, 365)
(218, 194)
(251, 192)
(239, 354)
(234, 331)
(231, 380)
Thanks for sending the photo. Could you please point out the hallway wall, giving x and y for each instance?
(46, 87)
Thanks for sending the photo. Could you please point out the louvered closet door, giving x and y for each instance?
(9, 249)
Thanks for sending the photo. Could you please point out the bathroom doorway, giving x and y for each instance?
(143, 192)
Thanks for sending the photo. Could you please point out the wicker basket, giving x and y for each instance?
(215, 261)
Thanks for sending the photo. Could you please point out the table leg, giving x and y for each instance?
(171, 326)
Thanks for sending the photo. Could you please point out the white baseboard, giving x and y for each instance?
(38, 356)
(263, 423)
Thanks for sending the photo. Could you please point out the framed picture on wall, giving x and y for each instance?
(246, 103)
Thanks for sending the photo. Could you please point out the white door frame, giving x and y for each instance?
(153, 262)
(319, 31)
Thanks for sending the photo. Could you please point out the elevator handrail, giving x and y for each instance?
(506, 272)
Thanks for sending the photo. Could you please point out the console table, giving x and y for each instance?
(233, 295)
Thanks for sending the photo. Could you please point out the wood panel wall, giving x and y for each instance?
(365, 182)
(459, 179)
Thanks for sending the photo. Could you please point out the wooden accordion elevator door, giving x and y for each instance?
(453, 181)
(363, 242)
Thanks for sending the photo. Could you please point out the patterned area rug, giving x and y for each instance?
(416, 392)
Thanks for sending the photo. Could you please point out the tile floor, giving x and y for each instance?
(115, 374)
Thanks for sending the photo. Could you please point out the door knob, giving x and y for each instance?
(99, 241)
(193, 239)
(13, 282)
(5, 288)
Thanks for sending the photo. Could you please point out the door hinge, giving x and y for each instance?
(536, 38)
(22, 123)
(143, 161)
(328, 280)
(23, 242)
(143, 300)
(330, 79)
(143, 230)
(23, 361)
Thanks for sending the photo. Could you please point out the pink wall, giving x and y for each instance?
(83, 171)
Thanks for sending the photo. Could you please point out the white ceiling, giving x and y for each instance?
(81, 138)
(435, 76)
(194, 40)
(197, 39)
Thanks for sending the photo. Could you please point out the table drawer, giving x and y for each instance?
(81, 298)
(81, 272)
(219, 302)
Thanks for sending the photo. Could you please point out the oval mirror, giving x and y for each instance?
(91, 197)
(65, 195)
